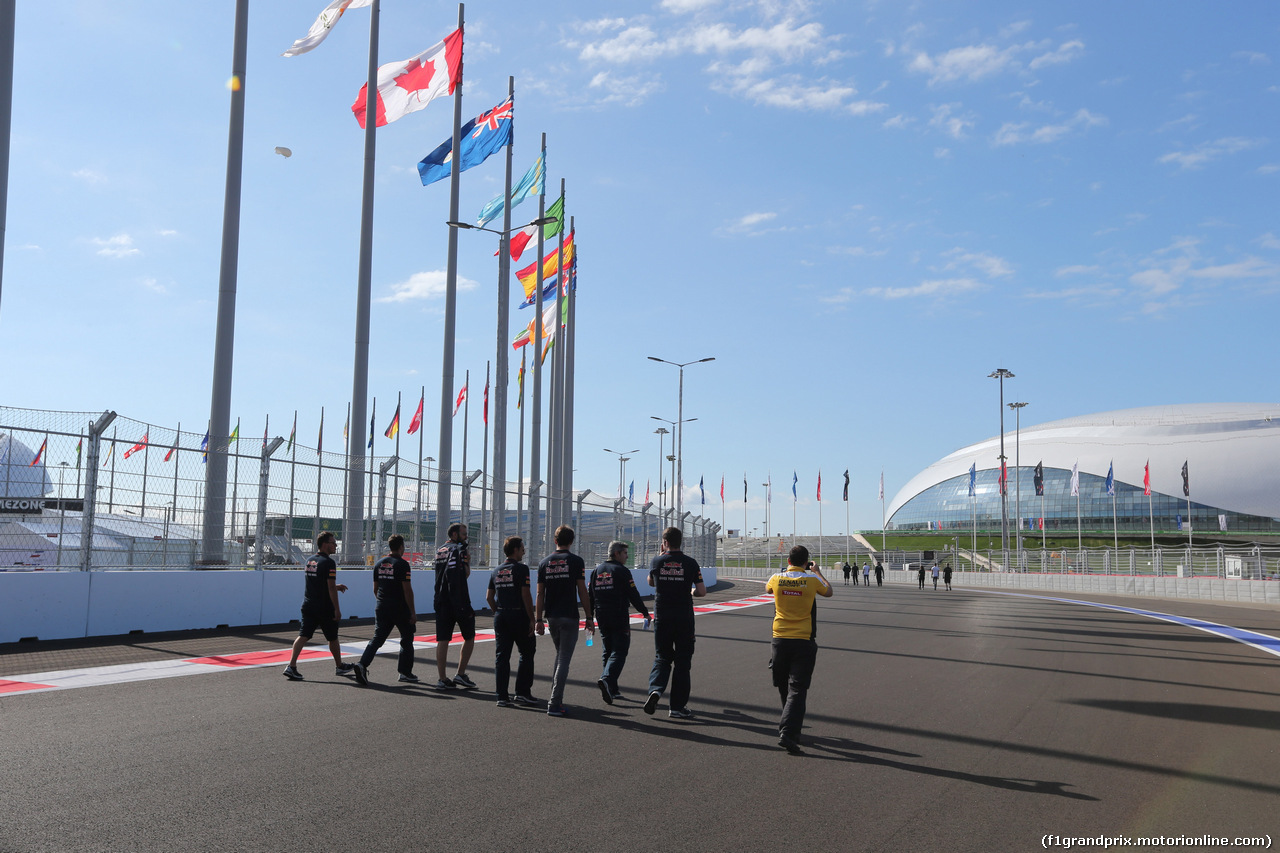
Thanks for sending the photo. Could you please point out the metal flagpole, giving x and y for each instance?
(444, 491)
(395, 476)
(883, 547)
(213, 527)
(366, 527)
(346, 481)
(502, 359)
(293, 474)
(177, 440)
(417, 518)
(235, 479)
(570, 278)
(520, 447)
(1186, 491)
(315, 525)
(8, 13)
(485, 527)
(466, 472)
(353, 502)
(819, 518)
(555, 437)
(146, 449)
(535, 442)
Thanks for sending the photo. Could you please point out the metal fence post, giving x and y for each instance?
(88, 516)
(385, 467)
(264, 475)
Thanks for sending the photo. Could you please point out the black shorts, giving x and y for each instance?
(313, 617)
(447, 618)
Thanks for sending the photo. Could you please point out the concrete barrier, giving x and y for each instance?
(66, 605)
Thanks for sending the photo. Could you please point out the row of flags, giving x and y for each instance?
(795, 479)
(1038, 479)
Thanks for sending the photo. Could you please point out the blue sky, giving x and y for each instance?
(859, 209)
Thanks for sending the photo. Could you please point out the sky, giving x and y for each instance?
(859, 209)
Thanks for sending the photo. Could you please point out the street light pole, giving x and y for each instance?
(679, 505)
(1002, 374)
(661, 433)
(623, 458)
(1017, 473)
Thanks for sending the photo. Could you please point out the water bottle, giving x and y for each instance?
(648, 620)
(591, 638)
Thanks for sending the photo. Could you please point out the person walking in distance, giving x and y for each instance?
(795, 639)
(934, 572)
(866, 574)
(846, 574)
(395, 609)
(320, 608)
(879, 573)
(920, 575)
(676, 579)
(512, 607)
(453, 607)
(612, 589)
(946, 576)
(562, 585)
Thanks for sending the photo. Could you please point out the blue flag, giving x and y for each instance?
(548, 291)
(973, 480)
(631, 493)
(204, 448)
(483, 135)
(533, 183)
(1111, 480)
(795, 478)
(704, 491)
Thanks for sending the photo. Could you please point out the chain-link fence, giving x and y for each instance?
(148, 484)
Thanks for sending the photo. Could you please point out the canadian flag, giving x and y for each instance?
(408, 86)
(138, 446)
(462, 395)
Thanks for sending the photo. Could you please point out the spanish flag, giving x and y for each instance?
(550, 267)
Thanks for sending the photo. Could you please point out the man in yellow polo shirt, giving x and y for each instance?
(795, 644)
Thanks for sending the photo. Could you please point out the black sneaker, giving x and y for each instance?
(557, 711)
(651, 704)
(345, 669)
(462, 681)
(680, 713)
(446, 684)
(526, 699)
(505, 703)
(409, 678)
(605, 693)
(789, 743)
(291, 673)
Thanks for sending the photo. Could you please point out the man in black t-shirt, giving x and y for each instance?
(320, 607)
(676, 579)
(512, 607)
(395, 609)
(453, 607)
(561, 586)
(611, 590)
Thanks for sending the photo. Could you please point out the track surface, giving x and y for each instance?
(937, 721)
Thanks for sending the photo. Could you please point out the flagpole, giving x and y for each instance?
(819, 519)
(484, 465)
(1079, 535)
(466, 472)
(315, 525)
(570, 279)
(555, 438)
(235, 480)
(535, 442)
(417, 518)
(367, 527)
(8, 13)
(346, 486)
(353, 513)
(501, 358)
(395, 476)
(444, 491)
(884, 548)
(146, 448)
(1186, 481)
(520, 445)
(293, 476)
(176, 441)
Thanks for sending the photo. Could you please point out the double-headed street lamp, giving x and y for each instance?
(680, 420)
(661, 433)
(1017, 473)
(623, 459)
(674, 426)
(500, 384)
(1002, 374)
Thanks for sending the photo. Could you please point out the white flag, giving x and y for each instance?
(320, 29)
(1222, 522)
(881, 485)
(1075, 480)
(408, 86)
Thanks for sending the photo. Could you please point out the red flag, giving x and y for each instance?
(1146, 478)
(646, 491)
(462, 395)
(486, 401)
(416, 423)
(410, 85)
(1004, 473)
(819, 485)
(39, 453)
(141, 444)
(721, 488)
(171, 451)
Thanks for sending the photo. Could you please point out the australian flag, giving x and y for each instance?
(483, 135)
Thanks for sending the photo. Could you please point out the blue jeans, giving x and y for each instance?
(616, 640)
(673, 642)
(564, 636)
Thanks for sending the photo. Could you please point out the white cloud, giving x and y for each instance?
(638, 42)
(1096, 290)
(168, 232)
(898, 121)
(942, 153)
(1077, 269)
(1190, 121)
(1011, 133)
(684, 7)
(1208, 151)
(1268, 169)
(153, 285)
(935, 287)
(857, 251)
(1269, 241)
(951, 122)
(1013, 29)
(1178, 264)
(628, 91)
(984, 262)
(425, 285)
(1066, 52)
(1252, 57)
(89, 176)
(119, 246)
(969, 63)
(753, 219)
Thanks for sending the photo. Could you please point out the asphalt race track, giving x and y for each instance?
(937, 722)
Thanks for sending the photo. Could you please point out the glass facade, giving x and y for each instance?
(947, 506)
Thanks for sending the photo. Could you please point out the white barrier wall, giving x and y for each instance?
(63, 605)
